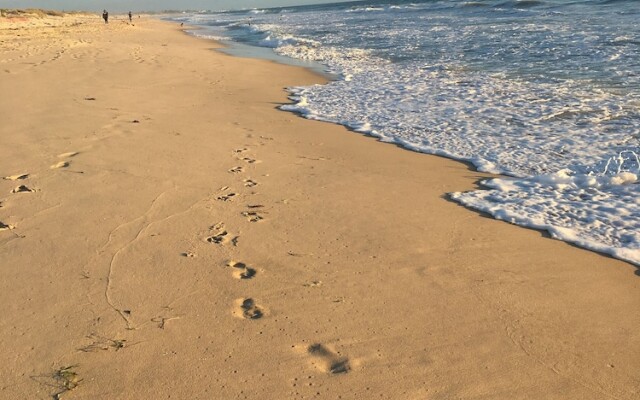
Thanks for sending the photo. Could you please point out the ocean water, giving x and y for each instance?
(544, 92)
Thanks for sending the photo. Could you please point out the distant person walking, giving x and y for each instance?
(105, 15)
(130, 16)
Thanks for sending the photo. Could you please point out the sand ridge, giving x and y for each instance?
(166, 231)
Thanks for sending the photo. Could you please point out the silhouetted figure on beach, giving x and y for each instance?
(105, 15)
(130, 16)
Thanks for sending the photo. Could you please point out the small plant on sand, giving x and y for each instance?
(67, 380)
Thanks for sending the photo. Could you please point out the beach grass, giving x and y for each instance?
(34, 13)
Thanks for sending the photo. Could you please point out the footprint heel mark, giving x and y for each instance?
(18, 177)
(328, 360)
(241, 270)
(236, 170)
(23, 189)
(248, 309)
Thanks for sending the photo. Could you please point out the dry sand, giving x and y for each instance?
(167, 233)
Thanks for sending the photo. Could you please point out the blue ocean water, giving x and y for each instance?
(546, 92)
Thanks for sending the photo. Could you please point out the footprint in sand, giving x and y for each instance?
(23, 189)
(18, 177)
(248, 309)
(236, 170)
(221, 236)
(250, 183)
(253, 216)
(61, 164)
(226, 197)
(327, 360)
(4, 227)
(242, 150)
(241, 270)
(249, 160)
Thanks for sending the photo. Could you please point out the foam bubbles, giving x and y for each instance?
(598, 213)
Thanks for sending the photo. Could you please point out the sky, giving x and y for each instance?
(153, 5)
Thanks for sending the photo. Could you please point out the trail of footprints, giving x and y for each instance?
(246, 308)
(25, 188)
(321, 356)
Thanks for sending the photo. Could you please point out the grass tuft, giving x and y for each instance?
(67, 378)
(30, 13)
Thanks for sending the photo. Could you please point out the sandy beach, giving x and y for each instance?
(167, 232)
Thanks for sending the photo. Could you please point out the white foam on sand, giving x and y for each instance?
(601, 213)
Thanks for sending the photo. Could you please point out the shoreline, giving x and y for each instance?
(237, 49)
(548, 230)
(185, 236)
